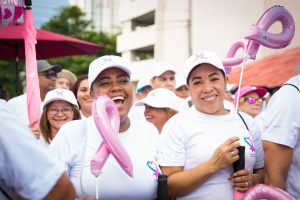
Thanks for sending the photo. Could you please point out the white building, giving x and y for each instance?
(170, 30)
(104, 14)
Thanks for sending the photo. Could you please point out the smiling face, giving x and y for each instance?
(207, 88)
(115, 83)
(165, 80)
(251, 104)
(57, 119)
(62, 83)
(84, 98)
(157, 116)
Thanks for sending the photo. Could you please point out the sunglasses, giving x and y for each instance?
(49, 74)
(252, 100)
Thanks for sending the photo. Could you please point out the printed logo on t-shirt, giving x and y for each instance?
(250, 144)
(152, 165)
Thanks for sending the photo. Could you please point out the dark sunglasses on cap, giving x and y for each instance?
(49, 74)
(252, 100)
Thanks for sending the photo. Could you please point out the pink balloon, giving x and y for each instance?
(259, 34)
(106, 116)
(231, 59)
(10, 11)
(267, 192)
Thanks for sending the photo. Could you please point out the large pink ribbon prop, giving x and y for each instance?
(32, 80)
(106, 116)
(259, 35)
(10, 11)
(232, 59)
(267, 192)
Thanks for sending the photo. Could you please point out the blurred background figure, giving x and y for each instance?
(143, 87)
(4, 94)
(83, 95)
(250, 100)
(230, 90)
(181, 89)
(160, 105)
(163, 76)
(60, 106)
(65, 79)
(47, 76)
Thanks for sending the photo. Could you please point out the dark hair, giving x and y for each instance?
(75, 87)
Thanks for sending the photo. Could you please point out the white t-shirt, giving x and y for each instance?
(190, 138)
(282, 126)
(78, 141)
(26, 169)
(19, 106)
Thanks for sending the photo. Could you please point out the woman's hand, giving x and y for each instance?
(225, 154)
(242, 180)
(35, 130)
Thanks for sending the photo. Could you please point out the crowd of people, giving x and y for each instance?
(188, 128)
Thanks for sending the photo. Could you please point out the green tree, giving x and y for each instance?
(8, 77)
(70, 21)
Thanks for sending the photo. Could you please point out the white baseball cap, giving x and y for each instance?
(160, 98)
(180, 81)
(143, 83)
(104, 62)
(160, 68)
(60, 94)
(200, 58)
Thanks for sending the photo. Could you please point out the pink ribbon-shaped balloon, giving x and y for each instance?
(259, 35)
(267, 192)
(106, 117)
(231, 59)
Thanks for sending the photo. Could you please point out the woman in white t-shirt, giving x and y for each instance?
(78, 141)
(198, 147)
(83, 96)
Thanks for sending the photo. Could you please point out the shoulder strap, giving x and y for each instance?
(292, 86)
(243, 120)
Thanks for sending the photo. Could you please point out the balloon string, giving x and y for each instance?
(97, 185)
(240, 82)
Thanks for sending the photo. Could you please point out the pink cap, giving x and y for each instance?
(247, 89)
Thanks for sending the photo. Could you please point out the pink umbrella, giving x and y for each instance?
(49, 44)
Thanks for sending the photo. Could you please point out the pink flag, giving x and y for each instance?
(32, 80)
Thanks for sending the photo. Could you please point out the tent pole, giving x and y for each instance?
(17, 69)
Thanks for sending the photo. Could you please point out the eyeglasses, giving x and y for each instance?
(49, 74)
(252, 100)
(54, 111)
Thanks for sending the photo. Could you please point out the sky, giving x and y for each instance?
(43, 10)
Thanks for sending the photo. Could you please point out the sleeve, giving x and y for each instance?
(282, 120)
(171, 147)
(25, 165)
